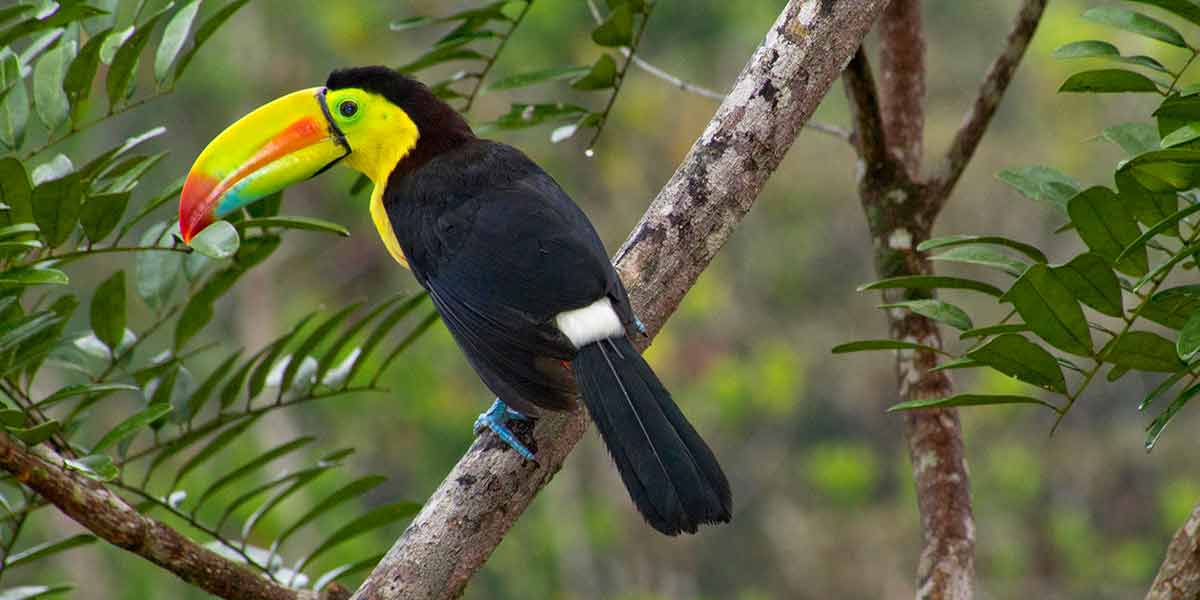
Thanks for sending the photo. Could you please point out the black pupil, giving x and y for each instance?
(348, 108)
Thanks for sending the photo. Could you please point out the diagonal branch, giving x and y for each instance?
(108, 516)
(995, 83)
(683, 229)
(1179, 576)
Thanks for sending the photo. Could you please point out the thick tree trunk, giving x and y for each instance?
(684, 228)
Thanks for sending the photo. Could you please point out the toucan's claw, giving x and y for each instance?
(496, 418)
(640, 326)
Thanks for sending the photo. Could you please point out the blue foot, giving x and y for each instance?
(496, 419)
(640, 327)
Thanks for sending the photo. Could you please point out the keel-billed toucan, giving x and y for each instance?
(515, 268)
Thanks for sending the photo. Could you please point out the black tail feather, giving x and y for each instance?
(670, 472)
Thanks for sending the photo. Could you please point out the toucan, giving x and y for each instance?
(514, 267)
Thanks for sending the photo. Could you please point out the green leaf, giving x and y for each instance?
(1133, 138)
(1160, 422)
(1144, 351)
(437, 57)
(96, 466)
(48, 94)
(15, 191)
(534, 77)
(258, 379)
(1188, 344)
(250, 467)
(865, 345)
(993, 330)
(1047, 305)
(407, 341)
(1108, 81)
(1107, 228)
(1183, 254)
(381, 331)
(23, 276)
(174, 35)
(56, 205)
(617, 28)
(37, 434)
(602, 75)
(411, 23)
(937, 310)
(1092, 282)
(1018, 357)
(375, 519)
(101, 214)
(124, 65)
(309, 345)
(132, 425)
(1135, 22)
(1086, 49)
(157, 272)
(290, 222)
(1172, 307)
(1188, 9)
(81, 73)
(1168, 170)
(217, 241)
(85, 390)
(346, 570)
(982, 255)
(216, 445)
(326, 361)
(952, 241)
(345, 493)
(14, 110)
(970, 400)
(1183, 135)
(925, 282)
(1159, 228)
(1043, 184)
(521, 116)
(202, 393)
(13, 334)
(48, 549)
(108, 310)
(17, 230)
(33, 592)
(1149, 208)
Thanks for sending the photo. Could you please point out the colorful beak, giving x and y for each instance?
(285, 141)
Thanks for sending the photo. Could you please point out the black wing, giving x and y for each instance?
(500, 265)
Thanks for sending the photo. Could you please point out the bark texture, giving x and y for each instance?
(1179, 576)
(109, 517)
(684, 228)
(900, 206)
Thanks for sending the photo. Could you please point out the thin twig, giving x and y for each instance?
(620, 80)
(491, 62)
(991, 92)
(76, 130)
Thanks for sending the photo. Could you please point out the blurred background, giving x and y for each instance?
(823, 494)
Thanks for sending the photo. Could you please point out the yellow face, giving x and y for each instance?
(379, 133)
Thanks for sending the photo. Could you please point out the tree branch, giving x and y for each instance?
(995, 83)
(107, 515)
(699, 90)
(683, 229)
(868, 137)
(902, 82)
(1179, 576)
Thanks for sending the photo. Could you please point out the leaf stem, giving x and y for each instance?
(487, 68)
(52, 141)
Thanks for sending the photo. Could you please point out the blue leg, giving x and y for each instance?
(496, 419)
(640, 327)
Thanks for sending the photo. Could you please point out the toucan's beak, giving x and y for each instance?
(280, 143)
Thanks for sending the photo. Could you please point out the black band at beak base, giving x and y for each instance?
(334, 131)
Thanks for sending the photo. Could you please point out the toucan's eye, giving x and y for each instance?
(348, 108)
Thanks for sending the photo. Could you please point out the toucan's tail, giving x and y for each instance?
(671, 474)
